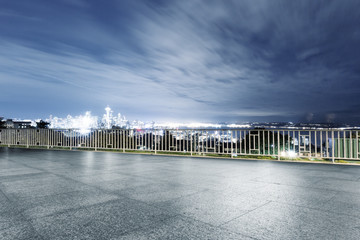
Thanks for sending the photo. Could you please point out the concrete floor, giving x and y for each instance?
(98, 195)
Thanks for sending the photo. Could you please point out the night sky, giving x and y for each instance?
(234, 61)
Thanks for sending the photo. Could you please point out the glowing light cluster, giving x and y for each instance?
(289, 153)
(83, 123)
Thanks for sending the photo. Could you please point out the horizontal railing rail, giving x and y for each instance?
(275, 143)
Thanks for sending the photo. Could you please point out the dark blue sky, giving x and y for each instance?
(243, 60)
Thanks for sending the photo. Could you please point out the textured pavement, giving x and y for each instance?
(100, 195)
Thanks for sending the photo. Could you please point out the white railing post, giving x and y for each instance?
(191, 142)
(48, 138)
(27, 138)
(155, 141)
(278, 143)
(123, 131)
(95, 139)
(333, 146)
(71, 136)
(231, 144)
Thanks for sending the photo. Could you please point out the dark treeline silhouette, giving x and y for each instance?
(42, 124)
(2, 123)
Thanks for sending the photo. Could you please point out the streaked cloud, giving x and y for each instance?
(188, 60)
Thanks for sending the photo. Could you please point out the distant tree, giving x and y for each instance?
(2, 123)
(42, 124)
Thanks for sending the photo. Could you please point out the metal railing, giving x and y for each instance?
(276, 143)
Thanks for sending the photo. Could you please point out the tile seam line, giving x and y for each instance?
(262, 205)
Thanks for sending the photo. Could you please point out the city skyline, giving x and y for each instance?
(181, 61)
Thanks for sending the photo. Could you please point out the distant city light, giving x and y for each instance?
(289, 153)
(108, 117)
(84, 123)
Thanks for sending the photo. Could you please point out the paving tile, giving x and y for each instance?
(343, 203)
(43, 206)
(68, 225)
(338, 185)
(157, 174)
(238, 184)
(213, 207)
(302, 196)
(342, 175)
(182, 228)
(6, 205)
(103, 221)
(39, 186)
(285, 221)
(9, 219)
(14, 177)
(125, 182)
(17, 171)
(99, 178)
(118, 207)
(290, 179)
(159, 192)
(120, 217)
(22, 231)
